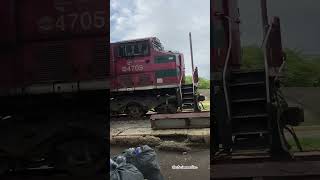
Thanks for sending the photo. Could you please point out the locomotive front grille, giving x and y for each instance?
(100, 63)
(53, 65)
(144, 80)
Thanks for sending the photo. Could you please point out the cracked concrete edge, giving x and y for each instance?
(156, 141)
(168, 132)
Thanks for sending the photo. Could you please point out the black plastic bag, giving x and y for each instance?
(145, 159)
(124, 171)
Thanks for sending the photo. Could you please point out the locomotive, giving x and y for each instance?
(146, 77)
(53, 85)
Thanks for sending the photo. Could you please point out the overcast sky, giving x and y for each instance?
(299, 21)
(170, 21)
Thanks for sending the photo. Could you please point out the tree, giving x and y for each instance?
(203, 83)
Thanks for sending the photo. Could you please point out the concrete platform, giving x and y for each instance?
(184, 120)
(153, 137)
(166, 132)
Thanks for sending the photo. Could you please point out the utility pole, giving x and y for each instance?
(190, 38)
(264, 15)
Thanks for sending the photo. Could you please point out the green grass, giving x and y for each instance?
(300, 71)
(203, 82)
(308, 144)
(206, 105)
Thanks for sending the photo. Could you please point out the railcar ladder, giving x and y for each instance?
(247, 96)
(188, 91)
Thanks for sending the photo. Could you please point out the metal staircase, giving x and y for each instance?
(188, 96)
(249, 109)
(247, 97)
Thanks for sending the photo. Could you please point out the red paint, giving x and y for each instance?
(64, 61)
(7, 22)
(228, 8)
(6, 69)
(59, 19)
(276, 51)
(141, 77)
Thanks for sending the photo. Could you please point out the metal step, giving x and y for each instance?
(254, 107)
(187, 93)
(186, 88)
(186, 98)
(187, 101)
(247, 71)
(247, 76)
(250, 133)
(187, 107)
(249, 116)
(248, 92)
(247, 83)
(247, 100)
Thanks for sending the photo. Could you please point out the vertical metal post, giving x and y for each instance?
(190, 38)
(266, 33)
(195, 105)
(264, 15)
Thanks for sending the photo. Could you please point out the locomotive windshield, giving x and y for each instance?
(157, 44)
(134, 49)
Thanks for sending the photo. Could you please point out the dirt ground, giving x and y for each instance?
(180, 154)
(199, 157)
(308, 98)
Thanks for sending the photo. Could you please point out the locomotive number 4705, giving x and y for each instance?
(86, 20)
(132, 68)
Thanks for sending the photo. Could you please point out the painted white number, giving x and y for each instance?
(133, 68)
(74, 19)
(60, 23)
(99, 19)
(86, 20)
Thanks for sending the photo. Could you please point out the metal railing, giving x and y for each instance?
(180, 87)
(266, 65)
(225, 89)
(191, 52)
(280, 69)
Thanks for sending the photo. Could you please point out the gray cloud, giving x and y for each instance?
(299, 20)
(170, 21)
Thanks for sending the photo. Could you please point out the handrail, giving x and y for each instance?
(180, 87)
(266, 66)
(191, 52)
(193, 90)
(280, 69)
(225, 70)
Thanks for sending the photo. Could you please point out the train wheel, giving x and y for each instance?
(80, 156)
(134, 111)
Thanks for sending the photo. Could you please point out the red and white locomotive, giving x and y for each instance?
(144, 76)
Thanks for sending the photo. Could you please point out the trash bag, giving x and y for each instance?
(124, 171)
(145, 159)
